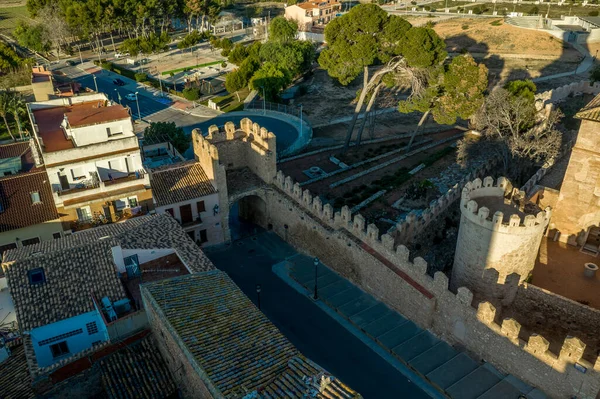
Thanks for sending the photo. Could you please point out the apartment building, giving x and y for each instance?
(93, 160)
(312, 13)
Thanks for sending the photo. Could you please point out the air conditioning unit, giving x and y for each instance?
(122, 306)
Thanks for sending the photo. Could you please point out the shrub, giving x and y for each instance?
(465, 27)
(498, 22)
(141, 77)
(534, 10)
(427, 8)
(191, 93)
(223, 64)
(593, 13)
(107, 65)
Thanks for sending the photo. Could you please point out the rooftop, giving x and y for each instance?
(17, 209)
(82, 263)
(309, 5)
(180, 182)
(237, 347)
(591, 111)
(137, 371)
(14, 150)
(40, 74)
(49, 120)
(14, 375)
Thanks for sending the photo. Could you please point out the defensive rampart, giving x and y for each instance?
(373, 261)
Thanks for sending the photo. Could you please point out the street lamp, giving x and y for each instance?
(316, 263)
(80, 59)
(264, 102)
(118, 96)
(301, 129)
(95, 83)
(258, 288)
(138, 106)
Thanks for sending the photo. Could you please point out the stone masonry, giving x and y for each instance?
(382, 268)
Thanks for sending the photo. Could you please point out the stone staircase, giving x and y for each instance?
(448, 369)
(532, 22)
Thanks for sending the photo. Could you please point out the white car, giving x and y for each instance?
(130, 97)
(119, 55)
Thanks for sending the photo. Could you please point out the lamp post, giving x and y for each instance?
(138, 106)
(95, 83)
(316, 263)
(118, 96)
(301, 130)
(80, 59)
(264, 102)
(258, 288)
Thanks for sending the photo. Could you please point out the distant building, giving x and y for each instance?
(28, 214)
(93, 160)
(76, 294)
(312, 13)
(219, 345)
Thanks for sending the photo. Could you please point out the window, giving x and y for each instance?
(61, 336)
(59, 349)
(133, 202)
(92, 328)
(6, 247)
(170, 211)
(35, 197)
(203, 236)
(56, 235)
(77, 173)
(30, 241)
(121, 204)
(201, 207)
(36, 276)
(84, 214)
(108, 132)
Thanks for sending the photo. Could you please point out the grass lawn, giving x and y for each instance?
(9, 17)
(230, 103)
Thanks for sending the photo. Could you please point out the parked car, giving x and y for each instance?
(70, 62)
(119, 55)
(130, 97)
(118, 82)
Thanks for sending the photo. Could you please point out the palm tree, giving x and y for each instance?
(5, 99)
(17, 108)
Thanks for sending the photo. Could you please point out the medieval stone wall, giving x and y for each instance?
(379, 266)
(578, 205)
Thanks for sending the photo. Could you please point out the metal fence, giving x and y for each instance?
(259, 104)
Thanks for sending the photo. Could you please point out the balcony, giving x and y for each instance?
(138, 175)
(79, 187)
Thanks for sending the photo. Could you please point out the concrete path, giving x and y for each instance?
(584, 65)
(453, 372)
(318, 336)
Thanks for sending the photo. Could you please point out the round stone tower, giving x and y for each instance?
(499, 237)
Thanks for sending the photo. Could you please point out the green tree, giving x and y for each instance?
(191, 93)
(282, 30)
(450, 92)
(9, 59)
(235, 81)
(270, 80)
(167, 131)
(5, 107)
(595, 74)
(33, 37)
(238, 54)
(363, 37)
(16, 106)
(522, 88)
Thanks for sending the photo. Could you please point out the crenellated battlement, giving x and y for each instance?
(501, 194)
(248, 132)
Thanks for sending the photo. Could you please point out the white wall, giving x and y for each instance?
(210, 222)
(97, 133)
(146, 255)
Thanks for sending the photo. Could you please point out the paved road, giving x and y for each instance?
(310, 329)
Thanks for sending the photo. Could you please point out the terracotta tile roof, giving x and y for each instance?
(71, 275)
(15, 199)
(14, 150)
(180, 182)
(137, 372)
(236, 346)
(591, 111)
(144, 232)
(49, 121)
(94, 112)
(15, 382)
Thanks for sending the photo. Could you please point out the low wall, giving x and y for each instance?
(559, 316)
(563, 92)
(383, 269)
(127, 325)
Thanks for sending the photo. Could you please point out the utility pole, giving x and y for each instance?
(80, 59)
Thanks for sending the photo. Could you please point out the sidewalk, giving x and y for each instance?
(420, 353)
